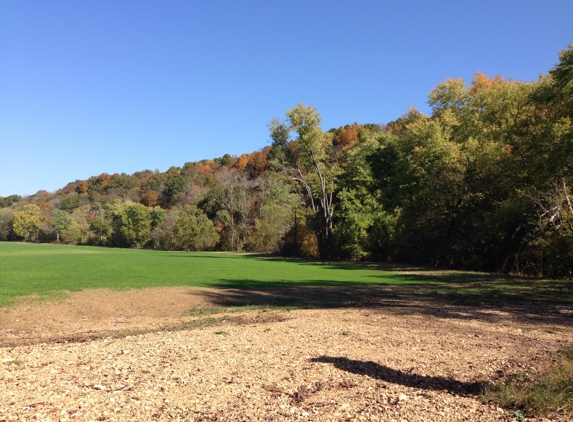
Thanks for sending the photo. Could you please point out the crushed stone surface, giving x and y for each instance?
(346, 364)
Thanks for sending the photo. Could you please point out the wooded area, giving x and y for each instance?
(482, 183)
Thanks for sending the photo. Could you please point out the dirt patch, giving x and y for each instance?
(102, 310)
(181, 355)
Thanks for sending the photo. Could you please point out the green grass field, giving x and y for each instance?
(49, 270)
(45, 269)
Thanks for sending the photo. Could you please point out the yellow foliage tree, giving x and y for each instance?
(27, 222)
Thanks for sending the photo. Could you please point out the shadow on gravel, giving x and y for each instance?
(384, 373)
(486, 297)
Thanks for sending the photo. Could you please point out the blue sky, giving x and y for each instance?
(88, 87)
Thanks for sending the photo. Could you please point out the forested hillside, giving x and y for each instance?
(483, 183)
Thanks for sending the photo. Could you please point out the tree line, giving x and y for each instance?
(483, 182)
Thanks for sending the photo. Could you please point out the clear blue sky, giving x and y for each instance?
(118, 86)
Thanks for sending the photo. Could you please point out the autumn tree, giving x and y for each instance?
(346, 136)
(257, 163)
(27, 222)
(242, 162)
(82, 187)
(150, 198)
(167, 184)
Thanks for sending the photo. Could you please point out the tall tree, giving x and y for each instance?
(304, 153)
(363, 228)
(230, 197)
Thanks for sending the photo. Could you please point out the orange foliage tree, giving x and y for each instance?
(242, 162)
(347, 135)
(82, 187)
(150, 198)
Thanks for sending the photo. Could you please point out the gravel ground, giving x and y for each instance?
(317, 365)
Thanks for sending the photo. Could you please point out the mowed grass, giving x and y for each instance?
(48, 270)
(45, 269)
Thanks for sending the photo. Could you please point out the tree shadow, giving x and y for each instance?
(394, 376)
(401, 289)
(489, 303)
(398, 272)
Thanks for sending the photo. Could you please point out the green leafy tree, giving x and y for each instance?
(562, 79)
(9, 200)
(174, 185)
(551, 240)
(304, 153)
(61, 221)
(452, 182)
(549, 153)
(549, 144)
(77, 231)
(101, 227)
(163, 236)
(72, 201)
(137, 222)
(168, 185)
(194, 231)
(226, 160)
(230, 199)
(363, 229)
(6, 223)
(114, 213)
(276, 214)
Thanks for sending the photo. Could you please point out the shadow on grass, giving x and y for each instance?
(384, 373)
(403, 290)
(340, 265)
(463, 296)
